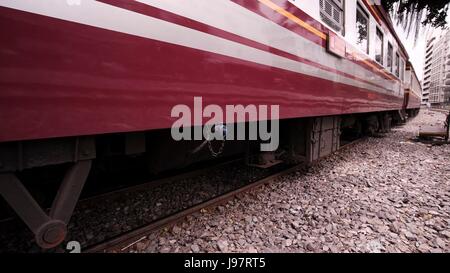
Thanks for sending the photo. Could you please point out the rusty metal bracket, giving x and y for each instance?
(50, 230)
(323, 137)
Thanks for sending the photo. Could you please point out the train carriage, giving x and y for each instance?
(83, 80)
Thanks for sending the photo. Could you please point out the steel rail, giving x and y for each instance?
(128, 239)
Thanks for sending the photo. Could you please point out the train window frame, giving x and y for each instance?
(378, 31)
(402, 69)
(365, 15)
(390, 57)
(328, 19)
(397, 64)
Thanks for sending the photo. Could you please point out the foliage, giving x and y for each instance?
(435, 10)
(411, 15)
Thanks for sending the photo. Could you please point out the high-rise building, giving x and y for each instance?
(436, 81)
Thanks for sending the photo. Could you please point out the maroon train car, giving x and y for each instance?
(85, 80)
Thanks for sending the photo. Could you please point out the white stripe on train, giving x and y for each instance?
(250, 25)
(108, 17)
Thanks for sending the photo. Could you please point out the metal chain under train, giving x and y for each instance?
(210, 139)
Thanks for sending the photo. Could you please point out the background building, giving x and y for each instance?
(436, 81)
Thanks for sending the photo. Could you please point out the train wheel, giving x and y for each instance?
(49, 230)
(51, 234)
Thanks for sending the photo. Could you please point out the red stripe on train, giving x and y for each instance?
(60, 78)
(186, 22)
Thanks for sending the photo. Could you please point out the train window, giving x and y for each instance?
(332, 13)
(402, 70)
(397, 65)
(389, 57)
(362, 29)
(379, 47)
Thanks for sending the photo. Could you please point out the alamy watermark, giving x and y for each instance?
(73, 247)
(228, 123)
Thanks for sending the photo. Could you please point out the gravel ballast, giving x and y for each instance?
(387, 194)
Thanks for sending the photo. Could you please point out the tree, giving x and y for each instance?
(412, 14)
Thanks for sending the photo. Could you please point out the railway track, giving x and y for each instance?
(104, 206)
(126, 240)
(156, 182)
(133, 228)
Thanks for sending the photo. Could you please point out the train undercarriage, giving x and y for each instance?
(303, 140)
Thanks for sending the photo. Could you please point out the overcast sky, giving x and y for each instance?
(417, 51)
